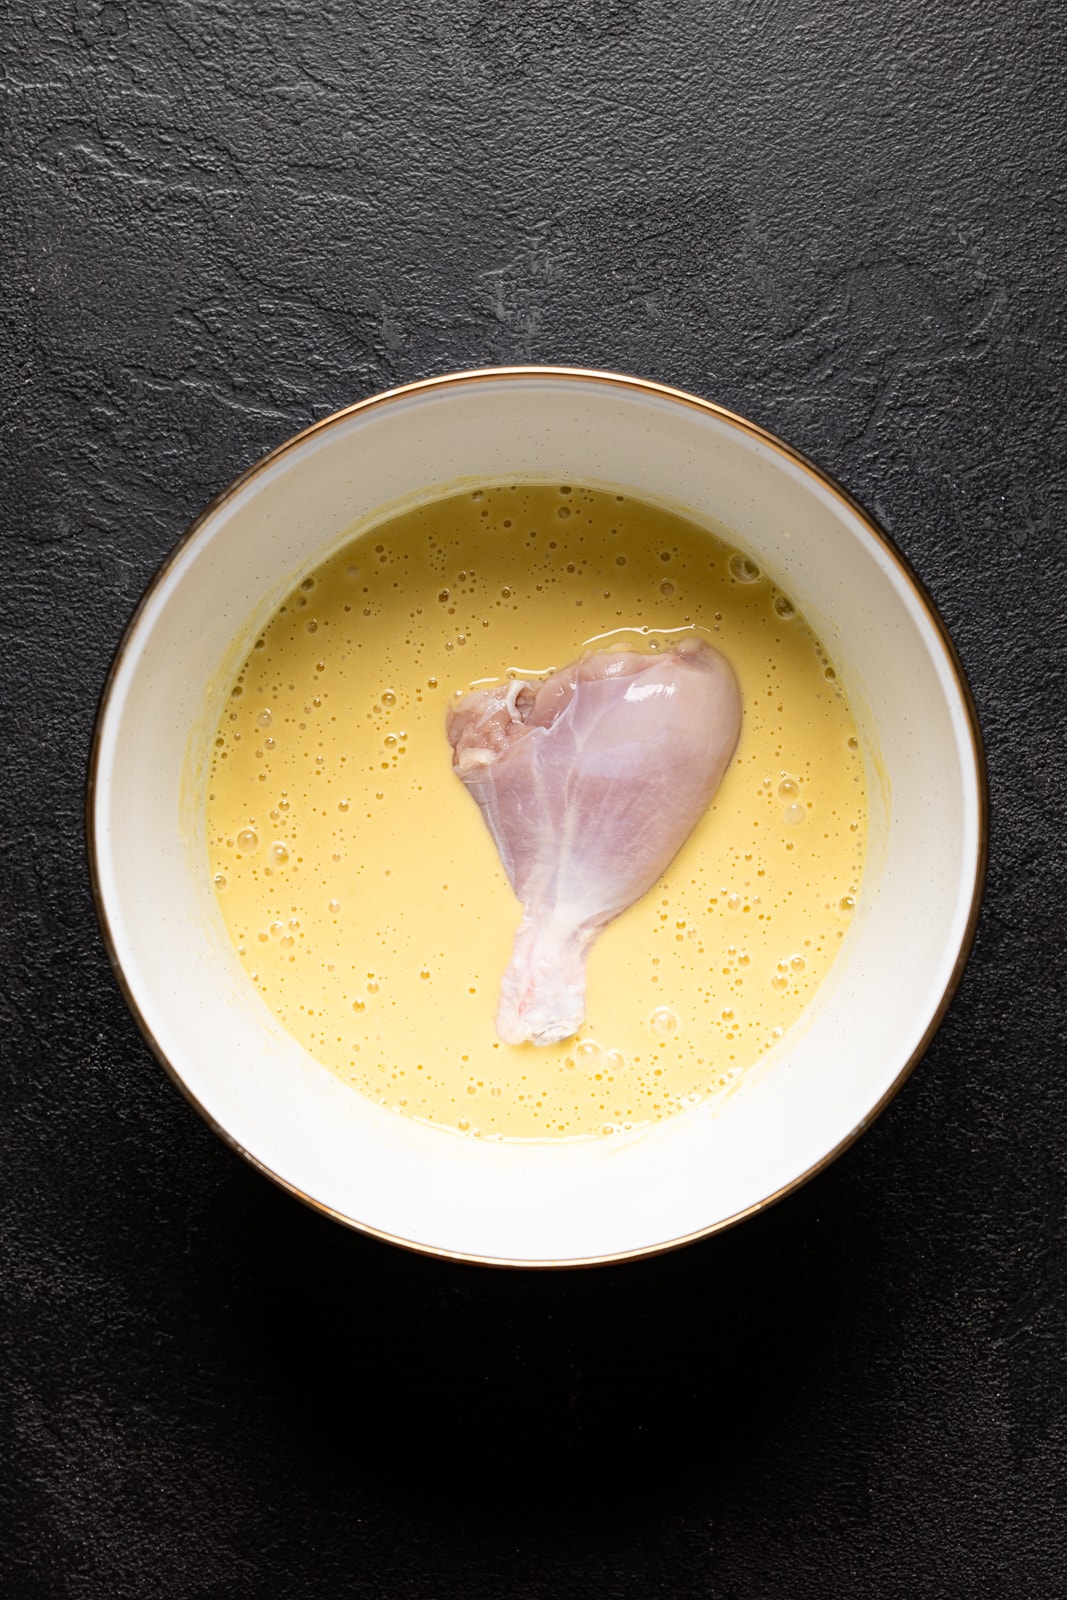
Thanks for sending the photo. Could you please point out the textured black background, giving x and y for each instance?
(221, 221)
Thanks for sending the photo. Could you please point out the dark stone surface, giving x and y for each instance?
(222, 221)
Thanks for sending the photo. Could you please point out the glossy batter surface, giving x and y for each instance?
(365, 896)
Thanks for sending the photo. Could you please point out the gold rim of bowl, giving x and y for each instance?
(680, 397)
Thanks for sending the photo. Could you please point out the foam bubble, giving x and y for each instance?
(744, 569)
(663, 1022)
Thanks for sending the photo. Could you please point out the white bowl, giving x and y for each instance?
(571, 1203)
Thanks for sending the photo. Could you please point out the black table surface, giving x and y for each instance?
(223, 221)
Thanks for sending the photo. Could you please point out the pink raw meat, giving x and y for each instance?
(590, 782)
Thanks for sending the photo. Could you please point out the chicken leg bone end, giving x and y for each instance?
(542, 995)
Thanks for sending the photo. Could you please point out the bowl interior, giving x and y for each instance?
(572, 1201)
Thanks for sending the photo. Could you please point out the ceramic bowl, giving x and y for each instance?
(575, 1202)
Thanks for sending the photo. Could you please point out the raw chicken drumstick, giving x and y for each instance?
(590, 782)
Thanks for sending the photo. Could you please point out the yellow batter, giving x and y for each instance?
(364, 893)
